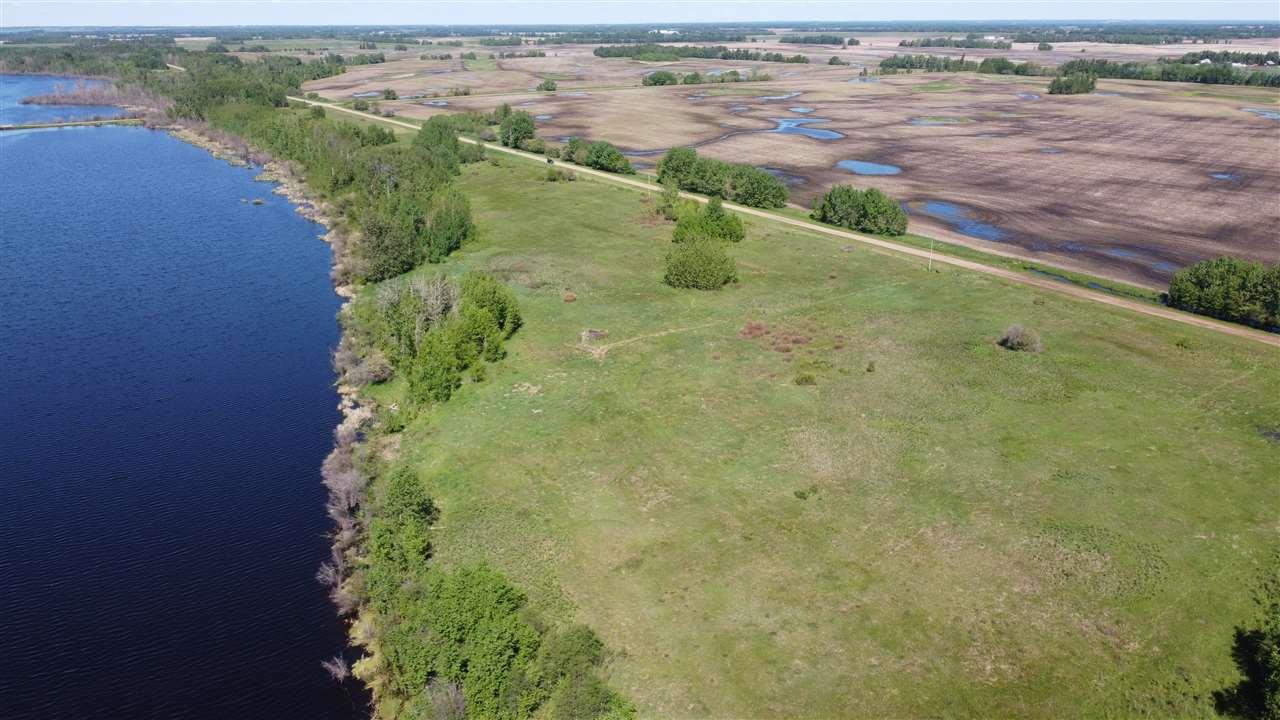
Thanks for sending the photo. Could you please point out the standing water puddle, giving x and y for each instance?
(543, 117)
(801, 110)
(788, 96)
(862, 167)
(797, 126)
(789, 178)
(961, 219)
(1264, 112)
(1051, 151)
(1230, 176)
(1028, 96)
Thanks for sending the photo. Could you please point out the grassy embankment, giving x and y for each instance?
(937, 526)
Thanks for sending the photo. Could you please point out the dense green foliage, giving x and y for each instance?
(969, 41)
(516, 127)
(599, 155)
(1231, 289)
(1073, 84)
(744, 184)
(818, 40)
(710, 222)
(869, 211)
(667, 53)
(547, 85)
(1005, 66)
(660, 77)
(1229, 56)
(1213, 73)
(931, 63)
(700, 264)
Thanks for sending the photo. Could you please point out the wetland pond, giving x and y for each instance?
(862, 167)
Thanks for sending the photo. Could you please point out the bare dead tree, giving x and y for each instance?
(447, 700)
(337, 667)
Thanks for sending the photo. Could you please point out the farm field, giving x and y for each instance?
(750, 546)
(1131, 183)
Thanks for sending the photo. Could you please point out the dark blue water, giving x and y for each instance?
(166, 405)
(13, 88)
(862, 167)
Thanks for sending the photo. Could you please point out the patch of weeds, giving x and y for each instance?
(1020, 339)
(871, 366)
(806, 378)
(806, 493)
(1272, 434)
(1106, 562)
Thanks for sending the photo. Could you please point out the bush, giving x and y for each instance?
(869, 211)
(1044, 46)
(449, 224)
(669, 200)
(711, 222)
(743, 184)
(604, 156)
(701, 265)
(534, 145)
(435, 373)
(547, 85)
(389, 94)
(553, 151)
(576, 151)
(1073, 84)
(1230, 289)
(754, 187)
(516, 127)
(1020, 339)
(485, 291)
(555, 174)
(360, 106)
(316, 112)
(660, 77)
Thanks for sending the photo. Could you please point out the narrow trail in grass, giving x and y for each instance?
(885, 245)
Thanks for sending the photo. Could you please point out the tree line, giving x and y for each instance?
(969, 41)
(743, 184)
(666, 53)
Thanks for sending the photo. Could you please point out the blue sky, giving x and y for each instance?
(413, 12)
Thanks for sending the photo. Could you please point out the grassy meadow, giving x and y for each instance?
(825, 491)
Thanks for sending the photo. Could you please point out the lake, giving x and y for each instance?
(167, 403)
(13, 88)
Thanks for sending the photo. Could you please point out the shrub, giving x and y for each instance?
(699, 264)
(749, 185)
(435, 373)
(669, 200)
(576, 151)
(485, 291)
(1230, 289)
(547, 85)
(449, 225)
(316, 112)
(677, 165)
(438, 132)
(711, 222)
(534, 145)
(1073, 84)
(743, 184)
(389, 94)
(604, 156)
(360, 106)
(869, 211)
(553, 151)
(516, 127)
(693, 78)
(1044, 46)
(1020, 339)
(555, 174)
(660, 77)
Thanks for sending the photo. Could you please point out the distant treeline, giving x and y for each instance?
(639, 36)
(1228, 56)
(667, 53)
(969, 41)
(666, 77)
(1214, 74)
(818, 40)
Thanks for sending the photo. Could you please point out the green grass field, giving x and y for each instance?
(936, 527)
